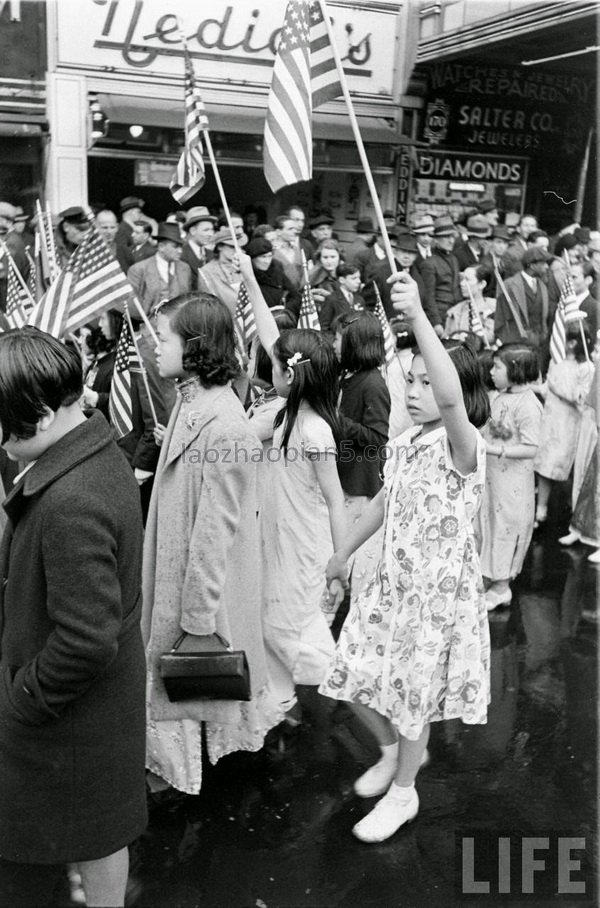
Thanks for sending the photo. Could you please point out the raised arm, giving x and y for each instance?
(444, 379)
(268, 332)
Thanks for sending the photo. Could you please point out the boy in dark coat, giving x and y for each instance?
(72, 722)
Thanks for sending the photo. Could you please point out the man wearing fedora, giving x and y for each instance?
(404, 247)
(522, 314)
(72, 226)
(423, 231)
(131, 211)
(321, 228)
(489, 210)
(163, 276)
(493, 258)
(469, 254)
(440, 273)
(199, 227)
(359, 248)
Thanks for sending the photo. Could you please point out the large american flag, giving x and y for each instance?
(244, 316)
(323, 71)
(19, 301)
(388, 340)
(567, 310)
(120, 407)
(304, 77)
(189, 176)
(91, 282)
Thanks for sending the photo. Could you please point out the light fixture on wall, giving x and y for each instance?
(136, 131)
(98, 121)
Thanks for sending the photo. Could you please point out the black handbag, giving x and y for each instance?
(205, 675)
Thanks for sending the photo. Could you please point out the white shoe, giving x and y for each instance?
(387, 816)
(570, 539)
(378, 778)
(493, 599)
(594, 557)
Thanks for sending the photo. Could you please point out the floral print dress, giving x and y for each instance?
(415, 645)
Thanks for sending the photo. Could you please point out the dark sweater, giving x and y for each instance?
(364, 417)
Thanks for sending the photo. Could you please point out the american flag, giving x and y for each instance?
(244, 316)
(388, 340)
(119, 403)
(304, 77)
(308, 317)
(19, 301)
(566, 311)
(288, 133)
(89, 284)
(189, 176)
(475, 323)
(323, 71)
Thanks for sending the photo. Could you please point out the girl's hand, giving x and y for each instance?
(159, 434)
(337, 569)
(405, 296)
(90, 398)
(336, 594)
(243, 263)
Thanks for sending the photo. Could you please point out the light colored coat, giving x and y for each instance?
(201, 554)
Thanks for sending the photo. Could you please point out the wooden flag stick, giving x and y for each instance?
(211, 154)
(359, 142)
(142, 366)
(511, 305)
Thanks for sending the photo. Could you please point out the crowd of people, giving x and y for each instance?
(268, 493)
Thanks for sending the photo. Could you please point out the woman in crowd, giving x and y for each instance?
(323, 277)
(201, 555)
(275, 285)
(98, 379)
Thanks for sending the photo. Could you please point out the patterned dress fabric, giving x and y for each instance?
(505, 523)
(415, 645)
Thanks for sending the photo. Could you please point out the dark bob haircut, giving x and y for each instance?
(206, 328)
(475, 396)
(362, 341)
(521, 361)
(37, 373)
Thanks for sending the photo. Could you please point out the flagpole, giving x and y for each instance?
(209, 148)
(142, 366)
(510, 304)
(567, 264)
(359, 142)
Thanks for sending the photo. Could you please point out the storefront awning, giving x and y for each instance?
(245, 120)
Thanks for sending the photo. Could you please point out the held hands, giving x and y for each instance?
(336, 593)
(405, 296)
(337, 570)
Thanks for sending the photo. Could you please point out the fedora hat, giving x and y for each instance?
(423, 223)
(320, 219)
(7, 211)
(406, 242)
(75, 215)
(486, 205)
(169, 231)
(501, 232)
(444, 226)
(478, 226)
(535, 254)
(129, 202)
(223, 236)
(364, 225)
(195, 215)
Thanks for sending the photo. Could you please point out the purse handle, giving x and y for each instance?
(225, 643)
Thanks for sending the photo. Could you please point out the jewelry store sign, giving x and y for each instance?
(233, 42)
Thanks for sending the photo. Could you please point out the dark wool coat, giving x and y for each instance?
(442, 287)
(72, 716)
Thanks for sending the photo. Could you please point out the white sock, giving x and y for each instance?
(400, 793)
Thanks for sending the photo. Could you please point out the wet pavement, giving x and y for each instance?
(273, 830)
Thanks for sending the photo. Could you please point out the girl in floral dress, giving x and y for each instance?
(505, 522)
(415, 646)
